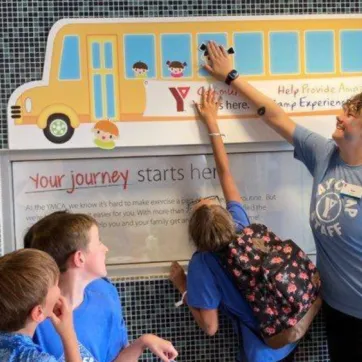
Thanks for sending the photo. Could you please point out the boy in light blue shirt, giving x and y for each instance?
(29, 294)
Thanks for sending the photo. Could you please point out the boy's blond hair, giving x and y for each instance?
(25, 278)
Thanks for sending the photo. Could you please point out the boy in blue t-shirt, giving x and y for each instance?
(29, 293)
(212, 227)
(73, 241)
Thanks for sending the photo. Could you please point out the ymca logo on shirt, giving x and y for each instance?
(330, 204)
(84, 353)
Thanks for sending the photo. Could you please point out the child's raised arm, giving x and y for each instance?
(207, 110)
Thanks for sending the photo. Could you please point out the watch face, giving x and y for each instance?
(233, 74)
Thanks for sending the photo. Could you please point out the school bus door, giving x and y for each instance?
(103, 77)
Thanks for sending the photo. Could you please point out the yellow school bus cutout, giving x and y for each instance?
(131, 70)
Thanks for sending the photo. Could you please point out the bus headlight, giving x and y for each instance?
(28, 105)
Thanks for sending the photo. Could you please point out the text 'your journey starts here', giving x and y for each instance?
(123, 178)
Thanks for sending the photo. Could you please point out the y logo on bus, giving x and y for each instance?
(179, 93)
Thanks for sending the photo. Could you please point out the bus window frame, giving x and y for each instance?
(199, 64)
(263, 44)
(300, 70)
(334, 51)
(190, 65)
(340, 52)
(77, 36)
(125, 58)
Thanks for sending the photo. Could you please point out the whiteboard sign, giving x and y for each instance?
(141, 202)
(125, 82)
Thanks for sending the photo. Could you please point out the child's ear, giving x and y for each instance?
(78, 259)
(37, 314)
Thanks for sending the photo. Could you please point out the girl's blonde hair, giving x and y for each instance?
(211, 228)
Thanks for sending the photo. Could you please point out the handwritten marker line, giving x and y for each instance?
(77, 188)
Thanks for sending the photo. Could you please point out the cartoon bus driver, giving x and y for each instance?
(176, 68)
(106, 132)
(140, 69)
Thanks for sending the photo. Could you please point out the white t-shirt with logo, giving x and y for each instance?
(335, 219)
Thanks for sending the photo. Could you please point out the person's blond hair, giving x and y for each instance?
(211, 228)
(354, 104)
(25, 278)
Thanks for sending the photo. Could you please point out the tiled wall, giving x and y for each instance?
(149, 308)
(148, 304)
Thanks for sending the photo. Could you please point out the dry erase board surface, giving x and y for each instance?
(141, 202)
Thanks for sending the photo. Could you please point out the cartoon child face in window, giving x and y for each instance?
(176, 68)
(140, 69)
(105, 134)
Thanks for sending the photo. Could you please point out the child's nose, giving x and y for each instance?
(340, 119)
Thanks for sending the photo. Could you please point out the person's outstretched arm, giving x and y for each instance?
(220, 66)
(207, 110)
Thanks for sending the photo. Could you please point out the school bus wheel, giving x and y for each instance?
(58, 129)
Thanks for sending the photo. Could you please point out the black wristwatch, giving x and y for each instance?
(231, 76)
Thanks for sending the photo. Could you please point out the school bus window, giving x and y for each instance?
(110, 96)
(176, 55)
(108, 55)
(319, 52)
(249, 54)
(96, 55)
(351, 54)
(98, 101)
(219, 38)
(284, 52)
(139, 54)
(70, 59)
